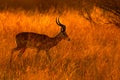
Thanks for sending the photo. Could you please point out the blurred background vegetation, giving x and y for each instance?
(85, 7)
(92, 54)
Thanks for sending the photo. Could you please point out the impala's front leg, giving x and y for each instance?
(37, 58)
(47, 53)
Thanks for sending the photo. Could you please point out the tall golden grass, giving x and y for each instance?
(92, 54)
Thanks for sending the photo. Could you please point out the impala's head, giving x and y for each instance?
(63, 30)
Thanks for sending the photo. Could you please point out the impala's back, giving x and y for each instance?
(30, 40)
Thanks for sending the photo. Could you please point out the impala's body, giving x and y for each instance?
(34, 40)
(39, 41)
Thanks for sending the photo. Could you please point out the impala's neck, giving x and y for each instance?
(58, 38)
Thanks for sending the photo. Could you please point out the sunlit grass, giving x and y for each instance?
(92, 53)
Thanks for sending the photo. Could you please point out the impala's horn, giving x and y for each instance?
(63, 27)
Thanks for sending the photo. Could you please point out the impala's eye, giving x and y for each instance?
(65, 34)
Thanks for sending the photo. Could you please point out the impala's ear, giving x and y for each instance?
(63, 29)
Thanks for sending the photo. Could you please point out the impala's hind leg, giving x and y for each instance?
(21, 52)
(13, 50)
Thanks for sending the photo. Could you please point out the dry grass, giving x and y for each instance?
(92, 54)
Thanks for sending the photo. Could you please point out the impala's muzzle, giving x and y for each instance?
(68, 39)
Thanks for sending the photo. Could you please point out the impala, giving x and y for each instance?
(39, 41)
